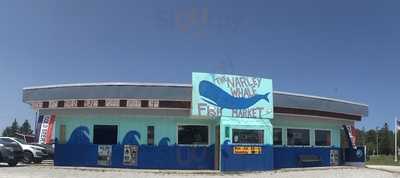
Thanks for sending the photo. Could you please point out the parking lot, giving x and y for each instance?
(48, 170)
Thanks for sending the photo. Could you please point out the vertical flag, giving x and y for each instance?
(49, 136)
(352, 134)
(46, 129)
(398, 124)
(37, 128)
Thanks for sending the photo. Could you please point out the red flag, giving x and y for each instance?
(49, 135)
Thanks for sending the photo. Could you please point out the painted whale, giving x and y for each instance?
(214, 95)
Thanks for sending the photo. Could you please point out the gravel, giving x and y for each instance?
(32, 171)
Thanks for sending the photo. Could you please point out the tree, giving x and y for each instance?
(370, 138)
(14, 128)
(6, 132)
(26, 128)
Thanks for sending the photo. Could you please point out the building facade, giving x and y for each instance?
(205, 125)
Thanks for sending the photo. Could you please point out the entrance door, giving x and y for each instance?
(217, 148)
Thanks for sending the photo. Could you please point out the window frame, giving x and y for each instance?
(80, 103)
(105, 124)
(282, 136)
(263, 141)
(330, 132)
(299, 128)
(60, 104)
(195, 145)
(154, 133)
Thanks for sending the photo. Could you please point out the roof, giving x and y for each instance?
(174, 91)
(108, 84)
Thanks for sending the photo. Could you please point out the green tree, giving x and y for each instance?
(26, 128)
(6, 132)
(370, 141)
(14, 128)
(386, 140)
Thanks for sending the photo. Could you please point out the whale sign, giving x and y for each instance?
(216, 95)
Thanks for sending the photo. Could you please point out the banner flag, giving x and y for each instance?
(397, 124)
(352, 134)
(46, 129)
(37, 128)
(49, 136)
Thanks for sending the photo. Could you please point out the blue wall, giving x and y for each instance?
(243, 162)
(287, 157)
(149, 157)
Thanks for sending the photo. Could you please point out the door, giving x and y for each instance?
(217, 148)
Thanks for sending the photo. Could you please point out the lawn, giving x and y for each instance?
(383, 160)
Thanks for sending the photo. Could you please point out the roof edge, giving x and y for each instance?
(320, 97)
(108, 84)
(175, 85)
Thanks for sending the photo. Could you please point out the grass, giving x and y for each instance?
(383, 160)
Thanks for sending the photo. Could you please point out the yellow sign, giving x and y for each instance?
(247, 150)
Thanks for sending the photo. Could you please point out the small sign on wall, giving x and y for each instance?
(104, 155)
(334, 157)
(130, 155)
(247, 150)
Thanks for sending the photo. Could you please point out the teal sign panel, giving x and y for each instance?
(216, 95)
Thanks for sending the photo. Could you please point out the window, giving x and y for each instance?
(7, 140)
(299, 137)
(105, 134)
(150, 135)
(277, 136)
(60, 104)
(45, 104)
(144, 103)
(193, 135)
(101, 103)
(248, 136)
(227, 132)
(62, 134)
(322, 138)
(81, 103)
(174, 104)
(123, 103)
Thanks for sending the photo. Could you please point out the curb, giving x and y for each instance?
(382, 169)
(202, 172)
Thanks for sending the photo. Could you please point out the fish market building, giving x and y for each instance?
(219, 122)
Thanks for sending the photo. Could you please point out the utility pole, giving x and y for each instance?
(377, 141)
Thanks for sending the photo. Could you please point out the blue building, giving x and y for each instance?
(222, 122)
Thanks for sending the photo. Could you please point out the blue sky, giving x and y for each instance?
(342, 49)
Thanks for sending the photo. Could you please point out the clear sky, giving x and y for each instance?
(343, 49)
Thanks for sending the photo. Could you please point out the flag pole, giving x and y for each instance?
(395, 139)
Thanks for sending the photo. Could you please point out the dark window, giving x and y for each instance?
(193, 135)
(322, 138)
(144, 103)
(101, 103)
(45, 104)
(248, 136)
(299, 137)
(60, 104)
(81, 103)
(105, 134)
(7, 140)
(277, 136)
(227, 132)
(123, 103)
(174, 104)
(150, 135)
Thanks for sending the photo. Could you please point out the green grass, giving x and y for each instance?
(383, 160)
